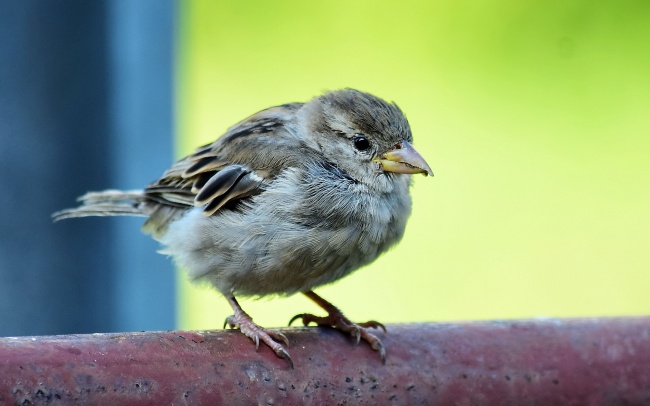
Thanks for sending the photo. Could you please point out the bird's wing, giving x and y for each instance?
(234, 167)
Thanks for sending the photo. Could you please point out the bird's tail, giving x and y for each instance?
(106, 203)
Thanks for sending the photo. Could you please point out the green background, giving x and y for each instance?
(533, 116)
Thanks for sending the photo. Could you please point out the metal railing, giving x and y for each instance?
(531, 362)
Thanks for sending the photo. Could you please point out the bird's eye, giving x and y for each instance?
(361, 143)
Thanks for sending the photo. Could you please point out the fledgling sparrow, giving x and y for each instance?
(291, 198)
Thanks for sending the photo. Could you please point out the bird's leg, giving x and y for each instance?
(255, 332)
(336, 319)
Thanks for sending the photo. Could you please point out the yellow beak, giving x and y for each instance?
(403, 158)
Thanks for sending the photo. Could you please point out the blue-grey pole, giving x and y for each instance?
(85, 87)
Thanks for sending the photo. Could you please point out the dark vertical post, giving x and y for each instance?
(63, 131)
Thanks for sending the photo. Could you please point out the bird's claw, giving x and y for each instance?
(257, 333)
(282, 353)
(356, 333)
(230, 322)
(373, 324)
(379, 346)
(357, 330)
(278, 336)
(302, 316)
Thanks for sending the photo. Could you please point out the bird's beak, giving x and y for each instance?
(403, 158)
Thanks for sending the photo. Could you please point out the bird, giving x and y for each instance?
(291, 198)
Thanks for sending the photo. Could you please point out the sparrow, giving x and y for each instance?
(293, 197)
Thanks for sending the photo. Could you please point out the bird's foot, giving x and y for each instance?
(336, 319)
(257, 333)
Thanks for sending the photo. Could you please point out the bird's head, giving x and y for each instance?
(365, 136)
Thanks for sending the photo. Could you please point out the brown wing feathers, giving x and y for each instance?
(214, 175)
(227, 185)
(204, 179)
(204, 164)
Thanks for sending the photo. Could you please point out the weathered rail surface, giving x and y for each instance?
(520, 362)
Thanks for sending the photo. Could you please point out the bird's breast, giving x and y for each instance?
(298, 234)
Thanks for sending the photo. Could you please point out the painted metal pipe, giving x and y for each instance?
(531, 362)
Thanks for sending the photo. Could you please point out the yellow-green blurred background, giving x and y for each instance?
(533, 116)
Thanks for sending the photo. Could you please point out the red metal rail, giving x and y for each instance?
(532, 362)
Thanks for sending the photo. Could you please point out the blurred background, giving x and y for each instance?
(532, 115)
